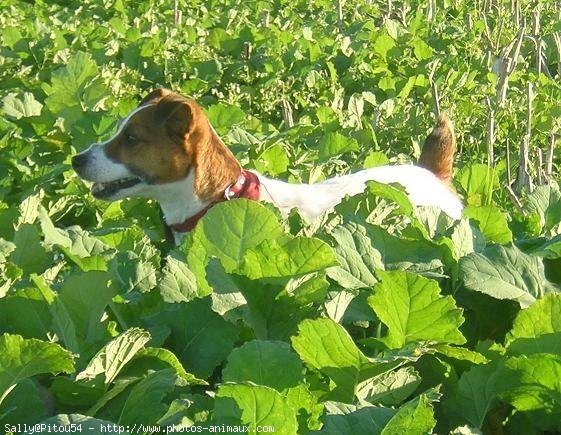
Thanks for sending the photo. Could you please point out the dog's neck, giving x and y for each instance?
(214, 169)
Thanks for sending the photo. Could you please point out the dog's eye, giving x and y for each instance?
(131, 139)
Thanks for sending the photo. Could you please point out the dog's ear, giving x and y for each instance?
(177, 113)
(155, 95)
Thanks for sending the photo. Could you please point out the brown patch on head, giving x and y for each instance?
(439, 149)
(167, 137)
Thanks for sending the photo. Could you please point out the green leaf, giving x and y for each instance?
(230, 228)
(112, 357)
(537, 329)
(545, 201)
(357, 257)
(550, 249)
(74, 87)
(333, 144)
(22, 358)
(413, 310)
(84, 298)
(25, 312)
(29, 254)
(327, 346)
(492, 223)
(269, 363)
(477, 181)
(167, 359)
(298, 256)
(21, 108)
(476, 394)
(375, 158)
(145, 400)
(356, 109)
(24, 404)
(274, 160)
(535, 383)
(344, 419)
(178, 283)
(199, 337)
(223, 116)
(506, 273)
(254, 405)
(416, 416)
(390, 388)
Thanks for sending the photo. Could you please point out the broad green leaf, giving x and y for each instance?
(414, 255)
(382, 44)
(550, 249)
(545, 201)
(333, 144)
(25, 312)
(344, 419)
(254, 405)
(224, 116)
(413, 310)
(29, 254)
(273, 160)
(477, 181)
(537, 329)
(327, 346)
(199, 337)
(298, 256)
(269, 363)
(24, 404)
(416, 416)
(132, 272)
(232, 227)
(506, 273)
(178, 283)
(533, 383)
(69, 422)
(111, 359)
(421, 49)
(84, 297)
(145, 400)
(73, 86)
(83, 249)
(375, 158)
(390, 388)
(476, 394)
(21, 107)
(22, 358)
(165, 358)
(357, 257)
(356, 109)
(492, 223)
(460, 353)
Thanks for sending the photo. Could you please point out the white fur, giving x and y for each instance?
(422, 186)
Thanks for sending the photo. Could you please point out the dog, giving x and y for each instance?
(167, 150)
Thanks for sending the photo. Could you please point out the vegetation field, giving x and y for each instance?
(381, 318)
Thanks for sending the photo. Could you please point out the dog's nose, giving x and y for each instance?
(79, 161)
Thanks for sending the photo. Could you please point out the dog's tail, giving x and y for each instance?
(439, 149)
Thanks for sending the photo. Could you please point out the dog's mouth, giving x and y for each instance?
(106, 190)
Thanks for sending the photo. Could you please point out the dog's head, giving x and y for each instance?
(156, 144)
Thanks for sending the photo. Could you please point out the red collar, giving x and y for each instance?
(247, 186)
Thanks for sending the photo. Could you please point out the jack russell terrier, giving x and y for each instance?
(167, 150)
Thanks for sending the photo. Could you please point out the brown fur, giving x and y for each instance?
(173, 135)
(439, 149)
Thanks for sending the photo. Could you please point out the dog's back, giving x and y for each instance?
(426, 183)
